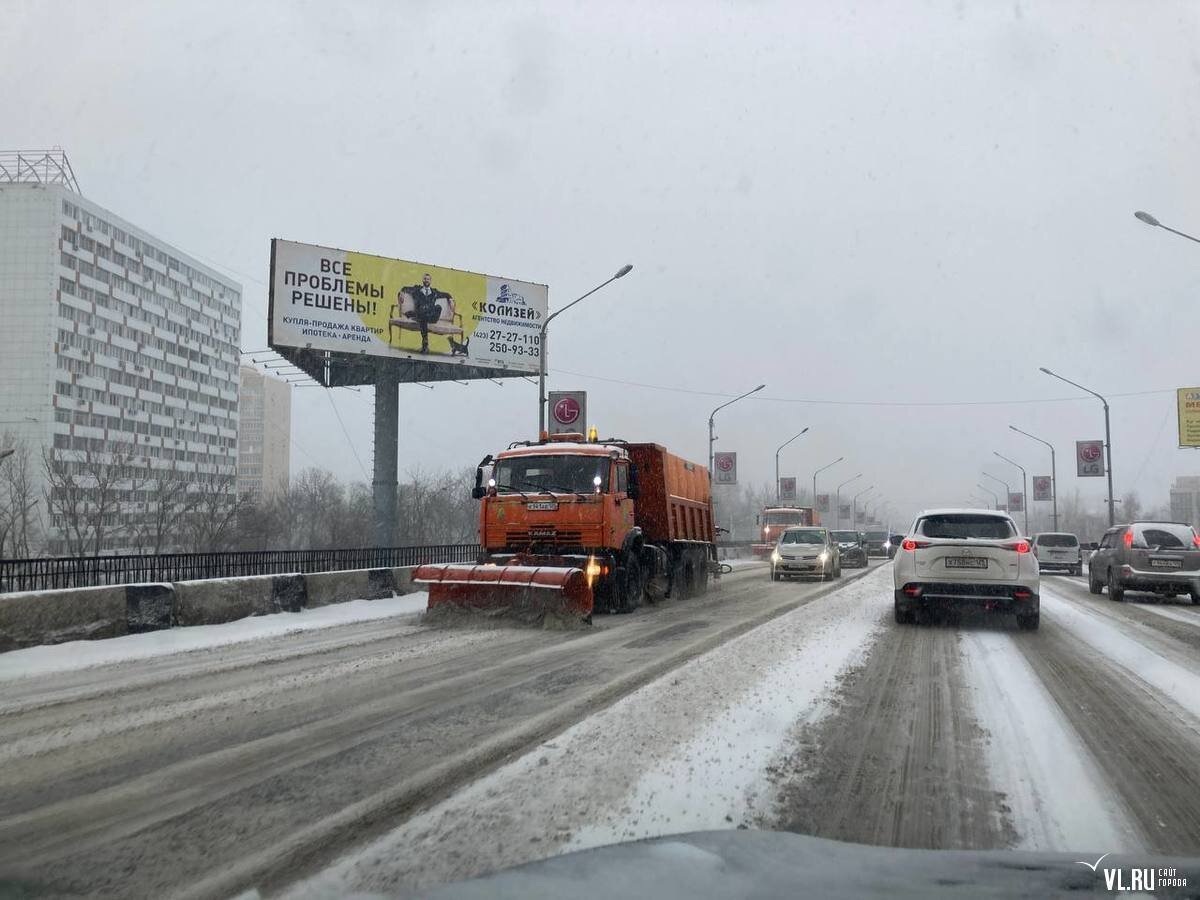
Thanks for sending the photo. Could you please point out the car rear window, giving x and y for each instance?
(1165, 536)
(876, 535)
(1057, 540)
(805, 536)
(966, 525)
(845, 536)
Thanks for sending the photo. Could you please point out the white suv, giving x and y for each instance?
(966, 558)
(1058, 550)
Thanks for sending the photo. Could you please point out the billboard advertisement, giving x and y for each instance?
(355, 303)
(1042, 487)
(1089, 459)
(1016, 502)
(568, 412)
(823, 503)
(1188, 406)
(725, 468)
(787, 489)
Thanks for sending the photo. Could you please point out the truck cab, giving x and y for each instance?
(774, 520)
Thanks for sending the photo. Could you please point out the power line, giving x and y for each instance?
(829, 402)
(353, 449)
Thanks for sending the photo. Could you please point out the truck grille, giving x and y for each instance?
(549, 536)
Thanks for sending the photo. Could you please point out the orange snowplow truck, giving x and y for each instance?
(572, 526)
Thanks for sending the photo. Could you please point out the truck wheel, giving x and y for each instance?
(1028, 623)
(774, 574)
(630, 587)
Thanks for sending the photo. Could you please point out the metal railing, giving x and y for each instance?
(67, 572)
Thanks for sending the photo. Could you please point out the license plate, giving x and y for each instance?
(1166, 563)
(544, 505)
(966, 562)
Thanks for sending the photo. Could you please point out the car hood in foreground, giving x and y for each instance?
(752, 864)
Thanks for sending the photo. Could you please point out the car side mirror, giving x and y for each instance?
(477, 492)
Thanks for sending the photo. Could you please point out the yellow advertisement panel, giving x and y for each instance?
(1188, 400)
(348, 302)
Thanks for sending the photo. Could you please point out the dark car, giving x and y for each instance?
(854, 551)
(875, 542)
(1160, 557)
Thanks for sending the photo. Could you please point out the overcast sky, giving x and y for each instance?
(903, 203)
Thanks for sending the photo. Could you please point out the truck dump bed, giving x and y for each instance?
(675, 503)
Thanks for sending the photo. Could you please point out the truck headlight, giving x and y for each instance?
(824, 557)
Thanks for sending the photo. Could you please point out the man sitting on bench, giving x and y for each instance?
(426, 308)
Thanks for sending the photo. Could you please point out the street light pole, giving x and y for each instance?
(1150, 220)
(854, 505)
(779, 499)
(818, 472)
(1053, 474)
(1112, 512)
(711, 436)
(1007, 489)
(1024, 488)
(995, 499)
(838, 496)
(621, 273)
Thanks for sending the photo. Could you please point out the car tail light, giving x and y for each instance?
(912, 590)
(1127, 537)
(1018, 547)
(910, 545)
(1022, 594)
(1195, 539)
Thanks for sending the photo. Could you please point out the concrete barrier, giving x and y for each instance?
(30, 618)
(325, 588)
(53, 617)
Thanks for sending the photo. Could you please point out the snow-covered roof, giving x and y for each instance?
(563, 447)
(963, 510)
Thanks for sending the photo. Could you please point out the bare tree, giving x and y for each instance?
(170, 502)
(210, 524)
(86, 492)
(19, 522)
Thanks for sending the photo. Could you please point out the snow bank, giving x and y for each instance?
(1058, 797)
(84, 654)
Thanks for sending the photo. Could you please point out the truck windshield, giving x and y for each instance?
(784, 517)
(562, 474)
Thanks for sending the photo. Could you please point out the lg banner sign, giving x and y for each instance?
(823, 503)
(1041, 487)
(787, 489)
(568, 412)
(725, 468)
(1016, 502)
(1089, 459)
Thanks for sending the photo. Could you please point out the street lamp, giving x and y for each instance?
(1112, 516)
(621, 273)
(1007, 489)
(838, 496)
(778, 499)
(854, 505)
(818, 472)
(1053, 474)
(1150, 220)
(995, 499)
(1024, 488)
(712, 437)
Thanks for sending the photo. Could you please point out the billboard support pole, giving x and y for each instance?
(387, 438)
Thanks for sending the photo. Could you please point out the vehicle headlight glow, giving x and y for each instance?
(824, 557)
(775, 556)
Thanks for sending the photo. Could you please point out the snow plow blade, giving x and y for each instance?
(530, 593)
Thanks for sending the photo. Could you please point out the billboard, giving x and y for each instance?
(568, 412)
(1042, 487)
(1089, 459)
(355, 303)
(1188, 409)
(823, 503)
(725, 468)
(787, 489)
(844, 511)
(1016, 502)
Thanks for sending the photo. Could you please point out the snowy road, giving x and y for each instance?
(386, 756)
